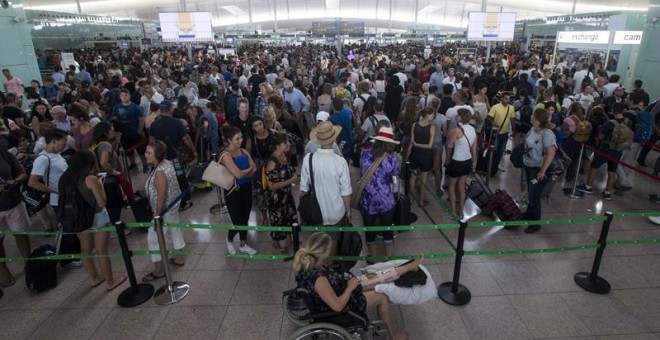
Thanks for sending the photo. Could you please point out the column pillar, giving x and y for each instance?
(647, 64)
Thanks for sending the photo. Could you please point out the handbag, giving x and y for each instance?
(217, 174)
(309, 208)
(362, 182)
(560, 163)
(517, 155)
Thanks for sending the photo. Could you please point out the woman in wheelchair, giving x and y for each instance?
(331, 291)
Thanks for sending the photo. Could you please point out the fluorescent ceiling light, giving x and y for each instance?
(234, 10)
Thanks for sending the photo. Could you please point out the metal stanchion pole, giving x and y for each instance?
(125, 170)
(406, 180)
(296, 237)
(136, 294)
(173, 291)
(591, 282)
(453, 292)
(489, 167)
(572, 192)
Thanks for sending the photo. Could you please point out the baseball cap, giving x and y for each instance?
(322, 116)
(166, 105)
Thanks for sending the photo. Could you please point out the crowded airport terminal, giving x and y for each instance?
(330, 169)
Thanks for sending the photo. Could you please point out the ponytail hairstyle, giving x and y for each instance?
(543, 117)
(316, 249)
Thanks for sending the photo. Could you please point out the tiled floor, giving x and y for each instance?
(513, 296)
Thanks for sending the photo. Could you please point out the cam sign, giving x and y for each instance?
(584, 37)
(627, 37)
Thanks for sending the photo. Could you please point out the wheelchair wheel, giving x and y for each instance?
(294, 308)
(321, 331)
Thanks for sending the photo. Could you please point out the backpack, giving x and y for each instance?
(232, 107)
(622, 136)
(340, 92)
(74, 213)
(348, 244)
(643, 127)
(586, 79)
(41, 275)
(583, 130)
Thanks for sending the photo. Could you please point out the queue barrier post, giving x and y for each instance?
(591, 282)
(173, 291)
(296, 237)
(406, 179)
(453, 292)
(136, 294)
(573, 192)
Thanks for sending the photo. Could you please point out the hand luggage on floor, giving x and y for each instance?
(479, 192)
(41, 275)
(141, 208)
(403, 214)
(486, 153)
(504, 207)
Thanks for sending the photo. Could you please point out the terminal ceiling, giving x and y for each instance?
(296, 14)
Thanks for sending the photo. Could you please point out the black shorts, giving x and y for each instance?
(457, 169)
(421, 159)
(598, 161)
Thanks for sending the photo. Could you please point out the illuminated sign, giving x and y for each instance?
(627, 37)
(584, 37)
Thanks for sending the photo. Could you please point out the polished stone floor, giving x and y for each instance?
(524, 296)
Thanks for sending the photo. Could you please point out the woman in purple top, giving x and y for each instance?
(377, 201)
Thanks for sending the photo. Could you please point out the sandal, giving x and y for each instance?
(174, 263)
(152, 277)
(9, 282)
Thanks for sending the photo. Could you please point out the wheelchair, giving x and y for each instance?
(318, 325)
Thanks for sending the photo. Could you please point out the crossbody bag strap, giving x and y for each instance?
(311, 176)
(372, 168)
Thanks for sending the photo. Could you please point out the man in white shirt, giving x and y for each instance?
(451, 79)
(611, 86)
(585, 98)
(578, 77)
(243, 80)
(360, 101)
(332, 181)
(368, 128)
(459, 97)
(149, 94)
(403, 78)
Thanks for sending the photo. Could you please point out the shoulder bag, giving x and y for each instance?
(309, 208)
(217, 174)
(362, 182)
(34, 199)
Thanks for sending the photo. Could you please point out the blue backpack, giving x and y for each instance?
(643, 127)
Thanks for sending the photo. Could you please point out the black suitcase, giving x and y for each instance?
(479, 192)
(141, 208)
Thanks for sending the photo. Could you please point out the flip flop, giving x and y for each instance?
(152, 277)
(10, 282)
(118, 283)
(172, 262)
(96, 284)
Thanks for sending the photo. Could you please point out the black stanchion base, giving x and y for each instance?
(461, 297)
(128, 299)
(574, 194)
(598, 286)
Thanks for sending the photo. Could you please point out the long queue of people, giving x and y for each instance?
(265, 113)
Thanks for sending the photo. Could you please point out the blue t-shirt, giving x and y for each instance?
(169, 130)
(344, 119)
(242, 162)
(128, 117)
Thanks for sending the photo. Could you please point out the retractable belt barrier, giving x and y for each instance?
(618, 161)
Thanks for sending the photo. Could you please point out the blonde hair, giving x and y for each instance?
(317, 248)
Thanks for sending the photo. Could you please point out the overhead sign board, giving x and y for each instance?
(491, 26)
(584, 37)
(627, 37)
(352, 28)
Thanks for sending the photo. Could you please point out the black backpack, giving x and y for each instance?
(73, 212)
(348, 244)
(41, 275)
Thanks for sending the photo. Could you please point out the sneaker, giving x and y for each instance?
(72, 265)
(584, 189)
(245, 249)
(185, 206)
(231, 250)
(607, 195)
(532, 229)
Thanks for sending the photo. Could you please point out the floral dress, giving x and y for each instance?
(281, 206)
(305, 279)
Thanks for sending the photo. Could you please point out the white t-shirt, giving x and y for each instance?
(57, 167)
(578, 77)
(584, 100)
(369, 125)
(403, 78)
(145, 102)
(332, 181)
(463, 149)
(609, 88)
(452, 112)
(358, 103)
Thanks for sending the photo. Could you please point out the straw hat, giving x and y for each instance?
(385, 134)
(325, 133)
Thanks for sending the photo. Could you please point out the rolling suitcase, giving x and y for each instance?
(504, 207)
(479, 192)
(486, 154)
